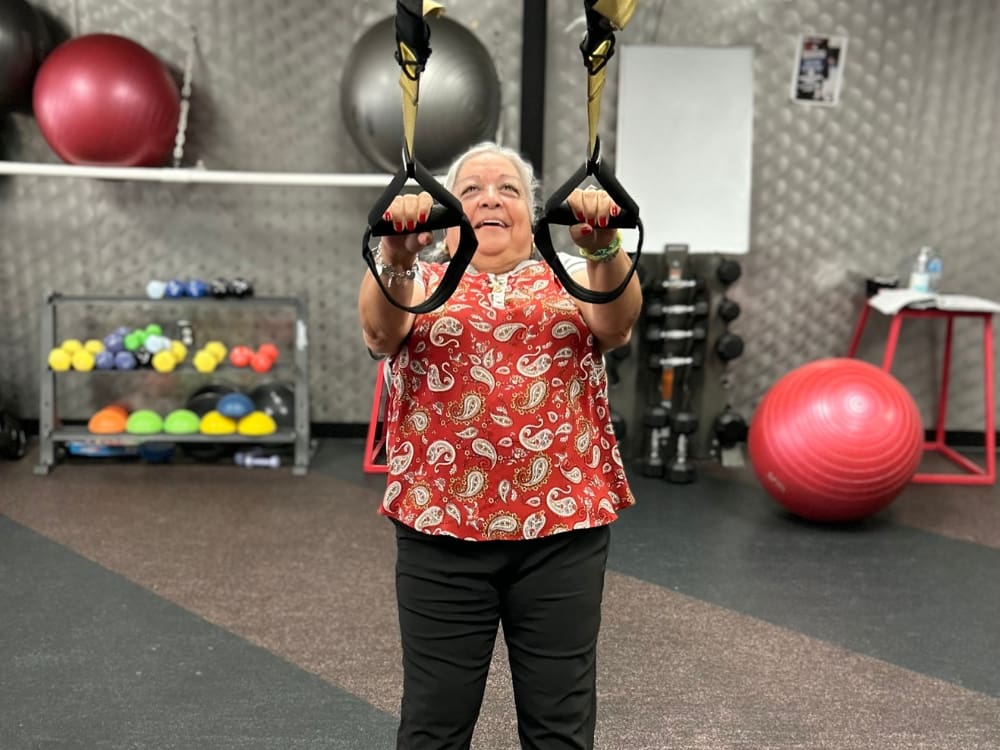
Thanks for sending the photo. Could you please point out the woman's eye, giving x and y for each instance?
(468, 189)
(510, 189)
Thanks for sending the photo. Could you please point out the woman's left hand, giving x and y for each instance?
(593, 208)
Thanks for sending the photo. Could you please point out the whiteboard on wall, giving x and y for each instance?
(685, 144)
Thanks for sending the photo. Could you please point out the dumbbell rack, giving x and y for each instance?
(694, 347)
(53, 433)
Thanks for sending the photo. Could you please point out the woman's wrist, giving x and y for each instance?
(604, 254)
(394, 271)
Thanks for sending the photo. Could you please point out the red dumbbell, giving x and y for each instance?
(240, 356)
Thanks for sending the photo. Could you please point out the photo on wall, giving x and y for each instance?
(819, 69)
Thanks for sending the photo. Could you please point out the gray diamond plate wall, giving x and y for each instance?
(906, 159)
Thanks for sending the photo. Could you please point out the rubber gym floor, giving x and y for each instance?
(203, 606)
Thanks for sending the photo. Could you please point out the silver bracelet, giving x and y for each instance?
(391, 274)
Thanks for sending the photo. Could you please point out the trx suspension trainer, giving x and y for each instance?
(412, 52)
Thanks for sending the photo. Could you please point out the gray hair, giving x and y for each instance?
(524, 170)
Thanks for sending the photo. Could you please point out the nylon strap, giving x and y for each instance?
(597, 47)
(412, 51)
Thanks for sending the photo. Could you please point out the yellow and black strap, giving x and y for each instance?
(412, 52)
(598, 46)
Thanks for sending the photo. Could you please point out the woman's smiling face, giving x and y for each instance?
(494, 198)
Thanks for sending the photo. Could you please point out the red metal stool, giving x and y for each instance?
(973, 473)
(375, 441)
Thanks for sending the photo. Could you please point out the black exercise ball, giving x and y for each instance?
(24, 43)
(459, 96)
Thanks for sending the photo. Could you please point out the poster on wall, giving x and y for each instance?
(819, 69)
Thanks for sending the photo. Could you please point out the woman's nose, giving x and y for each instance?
(490, 196)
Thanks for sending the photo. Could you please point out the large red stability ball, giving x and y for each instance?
(102, 99)
(836, 440)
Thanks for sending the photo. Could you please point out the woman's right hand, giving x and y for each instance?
(406, 213)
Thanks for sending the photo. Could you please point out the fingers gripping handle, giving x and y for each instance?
(558, 212)
(447, 213)
(440, 218)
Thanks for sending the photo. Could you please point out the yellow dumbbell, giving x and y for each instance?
(82, 360)
(164, 361)
(179, 351)
(217, 349)
(205, 361)
(60, 360)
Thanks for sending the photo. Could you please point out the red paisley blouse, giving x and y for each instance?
(498, 423)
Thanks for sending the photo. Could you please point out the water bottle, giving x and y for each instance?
(934, 266)
(920, 274)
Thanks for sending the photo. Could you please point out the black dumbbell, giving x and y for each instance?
(219, 288)
(684, 423)
(681, 469)
(656, 416)
(239, 288)
(657, 309)
(655, 419)
(728, 271)
(185, 333)
(659, 362)
(729, 346)
(728, 310)
(730, 428)
(688, 284)
(697, 333)
(143, 357)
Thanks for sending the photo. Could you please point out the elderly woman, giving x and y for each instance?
(504, 471)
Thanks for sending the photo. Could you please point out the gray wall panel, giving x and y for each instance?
(839, 193)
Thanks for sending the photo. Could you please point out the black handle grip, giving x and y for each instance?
(441, 217)
(562, 215)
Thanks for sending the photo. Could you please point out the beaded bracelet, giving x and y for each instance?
(604, 254)
(389, 273)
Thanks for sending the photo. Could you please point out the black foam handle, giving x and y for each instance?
(440, 217)
(562, 215)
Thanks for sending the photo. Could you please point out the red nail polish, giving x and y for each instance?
(411, 224)
(586, 229)
(422, 218)
(603, 221)
(398, 226)
(387, 216)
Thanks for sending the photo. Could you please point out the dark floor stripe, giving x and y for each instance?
(91, 660)
(915, 599)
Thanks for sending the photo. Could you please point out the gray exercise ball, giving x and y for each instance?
(459, 96)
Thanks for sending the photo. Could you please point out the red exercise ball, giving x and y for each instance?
(836, 440)
(105, 100)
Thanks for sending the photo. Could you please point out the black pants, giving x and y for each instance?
(452, 595)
